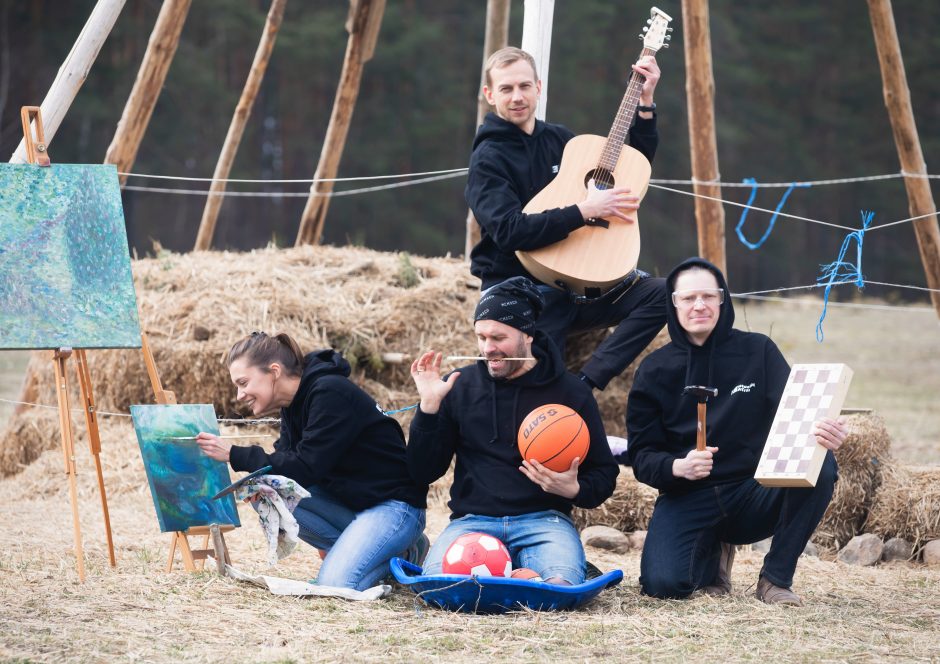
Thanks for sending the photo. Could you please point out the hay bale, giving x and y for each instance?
(907, 505)
(861, 461)
(27, 436)
(629, 509)
(363, 303)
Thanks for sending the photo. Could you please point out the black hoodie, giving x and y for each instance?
(750, 373)
(478, 421)
(335, 436)
(507, 169)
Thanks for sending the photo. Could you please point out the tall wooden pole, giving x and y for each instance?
(74, 70)
(898, 100)
(365, 18)
(237, 127)
(700, 92)
(537, 41)
(497, 37)
(150, 77)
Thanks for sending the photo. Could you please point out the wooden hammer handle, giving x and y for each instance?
(700, 436)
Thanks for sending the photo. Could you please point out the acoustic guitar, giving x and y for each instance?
(600, 254)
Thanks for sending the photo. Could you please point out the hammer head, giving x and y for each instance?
(700, 392)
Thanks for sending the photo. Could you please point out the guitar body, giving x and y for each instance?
(593, 258)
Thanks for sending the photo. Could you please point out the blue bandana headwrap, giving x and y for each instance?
(515, 302)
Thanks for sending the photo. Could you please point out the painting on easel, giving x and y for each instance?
(182, 479)
(65, 271)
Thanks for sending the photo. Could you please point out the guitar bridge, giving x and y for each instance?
(597, 221)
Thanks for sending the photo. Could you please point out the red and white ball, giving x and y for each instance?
(477, 554)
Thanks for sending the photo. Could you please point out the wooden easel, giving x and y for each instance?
(36, 153)
(193, 559)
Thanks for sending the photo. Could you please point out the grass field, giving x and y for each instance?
(137, 613)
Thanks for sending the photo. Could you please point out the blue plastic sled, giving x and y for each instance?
(497, 594)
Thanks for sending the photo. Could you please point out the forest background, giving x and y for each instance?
(798, 97)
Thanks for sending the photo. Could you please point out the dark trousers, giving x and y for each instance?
(683, 543)
(639, 314)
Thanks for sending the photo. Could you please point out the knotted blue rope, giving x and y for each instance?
(773, 219)
(842, 271)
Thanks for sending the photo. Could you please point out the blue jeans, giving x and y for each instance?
(682, 548)
(360, 544)
(546, 542)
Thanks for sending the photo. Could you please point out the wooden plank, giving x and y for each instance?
(537, 41)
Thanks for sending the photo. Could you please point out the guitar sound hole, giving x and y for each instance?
(603, 179)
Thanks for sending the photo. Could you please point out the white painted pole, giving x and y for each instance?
(74, 71)
(537, 41)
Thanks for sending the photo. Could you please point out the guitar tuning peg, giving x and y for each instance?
(665, 45)
(649, 21)
(641, 35)
(645, 29)
(668, 29)
(668, 37)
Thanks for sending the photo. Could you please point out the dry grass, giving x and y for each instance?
(136, 612)
(358, 301)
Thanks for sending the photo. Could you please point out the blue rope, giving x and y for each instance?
(400, 410)
(840, 270)
(773, 219)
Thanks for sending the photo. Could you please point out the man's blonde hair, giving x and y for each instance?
(505, 57)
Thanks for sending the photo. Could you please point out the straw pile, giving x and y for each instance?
(907, 505)
(862, 461)
(364, 303)
(629, 509)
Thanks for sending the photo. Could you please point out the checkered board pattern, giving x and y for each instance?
(791, 455)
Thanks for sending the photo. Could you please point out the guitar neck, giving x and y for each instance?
(623, 119)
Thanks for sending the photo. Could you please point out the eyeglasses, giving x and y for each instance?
(710, 297)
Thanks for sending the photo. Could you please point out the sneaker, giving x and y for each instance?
(722, 585)
(591, 571)
(418, 551)
(768, 593)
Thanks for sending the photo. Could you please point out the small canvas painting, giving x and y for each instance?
(65, 270)
(183, 479)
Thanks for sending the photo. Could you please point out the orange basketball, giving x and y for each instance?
(553, 435)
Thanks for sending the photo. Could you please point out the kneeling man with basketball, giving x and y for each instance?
(476, 414)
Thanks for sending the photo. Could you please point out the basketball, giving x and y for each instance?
(526, 574)
(553, 435)
(477, 554)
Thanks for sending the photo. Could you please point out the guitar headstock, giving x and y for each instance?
(656, 33)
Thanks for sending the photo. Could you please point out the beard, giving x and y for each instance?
(506, 369)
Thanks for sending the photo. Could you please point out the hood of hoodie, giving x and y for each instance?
(496, 129)
(725, 315)
(321, 363)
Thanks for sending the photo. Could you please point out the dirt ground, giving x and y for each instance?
(138, 613)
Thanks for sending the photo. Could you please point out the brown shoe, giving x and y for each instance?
(768, 593)
(722, 585)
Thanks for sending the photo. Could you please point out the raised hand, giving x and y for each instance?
(647, 67)
(426, 373)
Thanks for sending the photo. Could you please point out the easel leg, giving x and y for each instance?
(94, 441)
(68, 451)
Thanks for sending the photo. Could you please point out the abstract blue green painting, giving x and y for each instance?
(65, 271)
(182, 479)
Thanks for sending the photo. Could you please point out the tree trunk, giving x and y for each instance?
(74, 71)
(237, 127)
(497, 37)
(898, 100)
(700, 92)
(365, 18)
(150, 77)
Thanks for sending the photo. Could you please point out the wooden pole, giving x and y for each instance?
(497, 37)
(150, 77)
(74, 70)
(365, 18)
(700, 92)
(237, 127)
(898, 101)
(537, 42)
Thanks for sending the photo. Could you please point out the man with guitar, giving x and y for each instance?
(514, 157)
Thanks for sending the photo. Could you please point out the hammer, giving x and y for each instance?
(702, 393)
